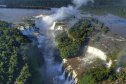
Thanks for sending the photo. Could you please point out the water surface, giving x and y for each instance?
(16, 15)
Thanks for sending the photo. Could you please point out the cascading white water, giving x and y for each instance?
(62, 77)
(28, 31)
(61, 65)
(109, 64)
(94, 53)
(119, 69)
(46, 42)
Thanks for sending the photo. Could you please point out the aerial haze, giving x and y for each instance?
(62, 41)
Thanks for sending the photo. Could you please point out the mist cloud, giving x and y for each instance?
(64, 12)
(79, 3)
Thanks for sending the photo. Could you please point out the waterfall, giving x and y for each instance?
(93, 53)
(60, 67)
(62, 77)
(118, 69)
(53, 26)
(109, 64)
(46, 42)
(97, 53)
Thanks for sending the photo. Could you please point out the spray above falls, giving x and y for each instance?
(94, 53)
(64, 12)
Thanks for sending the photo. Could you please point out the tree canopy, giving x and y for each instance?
(11, 41)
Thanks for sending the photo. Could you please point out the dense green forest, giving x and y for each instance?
(44, 4)
(15, 64)
(10, 43)
(102, 76)
(102, 7)
(69, 44)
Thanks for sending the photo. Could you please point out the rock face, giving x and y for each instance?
(69, 68)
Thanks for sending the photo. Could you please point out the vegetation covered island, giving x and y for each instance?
(69, 44)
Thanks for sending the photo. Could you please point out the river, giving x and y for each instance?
(16, 15)
(115, 23)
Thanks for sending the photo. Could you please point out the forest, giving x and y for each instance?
(102, 75)
(16, 66)
(69, 44)
(11, 41)
(35, 4)
(102, 7)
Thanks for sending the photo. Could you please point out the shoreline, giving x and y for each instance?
(27, 8)
(50, 8)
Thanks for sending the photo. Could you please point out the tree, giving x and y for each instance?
(24, 75)
(101, 24)
(70, 50)
(10, 41)
(105, 29)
